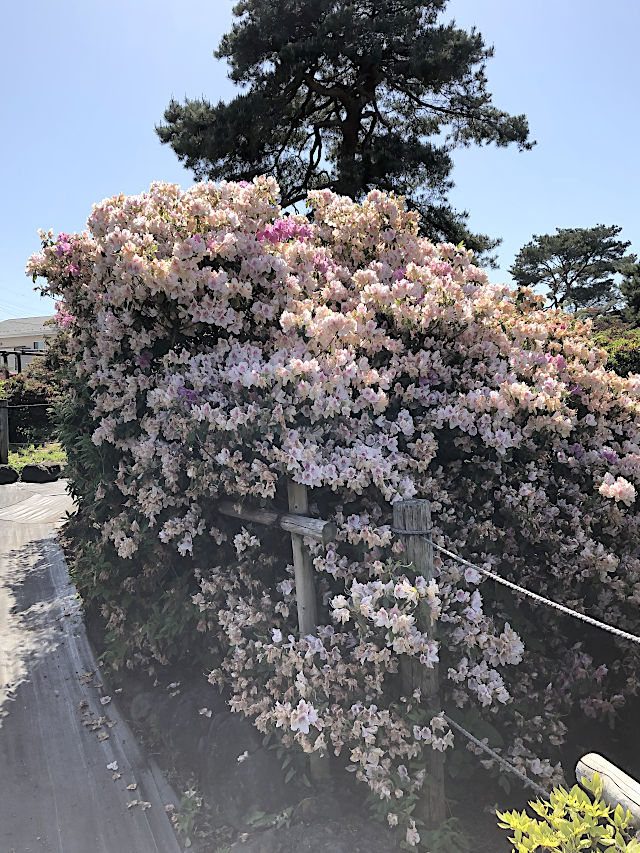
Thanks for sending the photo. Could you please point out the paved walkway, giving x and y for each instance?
(57, 794)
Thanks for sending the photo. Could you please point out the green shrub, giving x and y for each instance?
(572, 821)
(623, 346)
(30, 394)
(44, 454)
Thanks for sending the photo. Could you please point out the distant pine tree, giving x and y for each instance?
(578, 267)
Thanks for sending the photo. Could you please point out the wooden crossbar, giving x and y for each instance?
(314, 528)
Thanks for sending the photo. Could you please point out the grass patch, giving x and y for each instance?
(33, 455)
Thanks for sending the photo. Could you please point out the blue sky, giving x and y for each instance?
(84, 83)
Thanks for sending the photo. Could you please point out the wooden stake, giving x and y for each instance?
(4, 432)
(416, 516)
(307, 603)
(303, 565)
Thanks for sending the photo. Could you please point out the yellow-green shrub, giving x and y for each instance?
(572, 821)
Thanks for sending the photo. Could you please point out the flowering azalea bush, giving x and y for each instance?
(222, 347)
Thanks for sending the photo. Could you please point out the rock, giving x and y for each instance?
(8, 475)
(186, 730)
(319, 807)
(40, 473)
(255, 784)
(176, 719)
(349, 836)
(231, 735)
(240, 788)
(203, 695)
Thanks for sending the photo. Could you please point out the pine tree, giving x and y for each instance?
(349, 95)
(579, 267)
(630, 289)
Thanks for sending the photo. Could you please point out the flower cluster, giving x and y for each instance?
(224, 348)
(618, 488)
(62, 316)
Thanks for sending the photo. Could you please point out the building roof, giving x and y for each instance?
(23, 326)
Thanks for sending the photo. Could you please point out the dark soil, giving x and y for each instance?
(240, 778)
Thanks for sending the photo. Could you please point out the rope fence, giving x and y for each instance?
(412, 523)
(506, 765)
(408, 535)
(539, 599)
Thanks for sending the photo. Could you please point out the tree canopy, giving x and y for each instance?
(349, 95)
(579, 267)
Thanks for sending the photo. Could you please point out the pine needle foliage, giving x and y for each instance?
(349, 95)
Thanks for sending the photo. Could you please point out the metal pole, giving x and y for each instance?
(4, 432)
(416, 516)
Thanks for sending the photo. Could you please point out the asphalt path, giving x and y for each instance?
(72, 777)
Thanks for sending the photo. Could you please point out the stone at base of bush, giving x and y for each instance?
(41, 473)
(8, 475)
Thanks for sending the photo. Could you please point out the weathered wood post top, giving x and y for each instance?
(618, 788)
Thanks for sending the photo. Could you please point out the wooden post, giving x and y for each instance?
(303, 565)
(617, 787)
(416, 516)
(307, 603)
(4, 432)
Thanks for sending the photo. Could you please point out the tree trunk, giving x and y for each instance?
(348, 178)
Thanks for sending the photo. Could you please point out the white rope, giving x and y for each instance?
(501, 761)
(539, 599)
